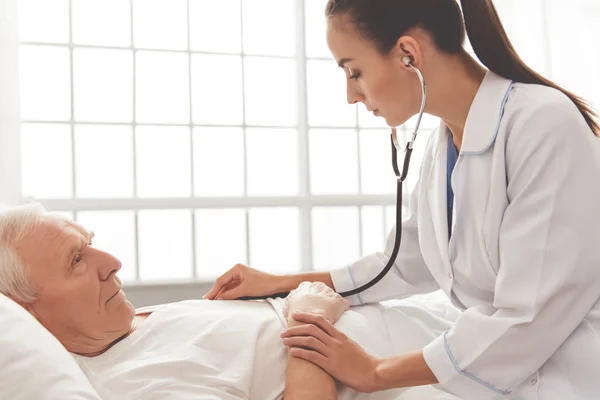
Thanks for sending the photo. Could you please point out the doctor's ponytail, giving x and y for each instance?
(493, 48)
(384, 21)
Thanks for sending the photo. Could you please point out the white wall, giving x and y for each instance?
(10, 163)
(141, 295)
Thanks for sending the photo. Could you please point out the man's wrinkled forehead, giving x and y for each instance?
(58, 227)
(53, 236)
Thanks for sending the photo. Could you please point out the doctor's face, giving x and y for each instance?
(381, 82)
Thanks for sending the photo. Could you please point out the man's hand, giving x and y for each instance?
(315, 298)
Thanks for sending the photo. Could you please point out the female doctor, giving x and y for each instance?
(505, 219)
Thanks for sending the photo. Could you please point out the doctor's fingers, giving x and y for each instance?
(232, 291)
(220, 284)
(309, 343)
(320, 321)
(306, 331)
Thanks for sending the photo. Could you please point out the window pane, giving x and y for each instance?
(575, 27)
(104, 161)
(217, 89)
(92, 18)
(275, 239)
(216, 26)
(524, 22)
(390, 218)
(163, 161)
(114, 233)
(162, 91)
(373, 230)
(271, 92)
(335, 237)
(103, 81)
(592, 92)
(316, 29)
(165, 245)
(45, 83)
(333, 161)
(160, 24)
(44, 21)
(272, 159)
(218, 162)
(269, 27)
(377, 174)
(47, 167)
(220, 241)
(327, 100)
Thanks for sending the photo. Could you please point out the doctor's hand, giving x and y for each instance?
(320, 343)
(315, 298)
(241, 281)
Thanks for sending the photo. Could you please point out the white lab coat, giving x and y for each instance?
(523, 261)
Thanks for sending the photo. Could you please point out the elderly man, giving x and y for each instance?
(49, 266)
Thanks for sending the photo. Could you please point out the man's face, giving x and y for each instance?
(79, 299)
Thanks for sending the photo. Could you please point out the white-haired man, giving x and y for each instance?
(49, 266)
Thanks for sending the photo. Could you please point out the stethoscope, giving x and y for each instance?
(400, 177)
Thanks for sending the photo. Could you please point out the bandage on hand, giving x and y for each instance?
(315, 298)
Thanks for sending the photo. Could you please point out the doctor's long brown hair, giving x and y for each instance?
(384, 21)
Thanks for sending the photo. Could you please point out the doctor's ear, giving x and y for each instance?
(408, 51)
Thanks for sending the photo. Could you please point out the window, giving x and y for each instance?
(192, 135)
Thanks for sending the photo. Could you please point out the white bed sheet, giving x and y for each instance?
(232, 350)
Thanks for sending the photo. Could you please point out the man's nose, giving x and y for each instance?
(108, 265)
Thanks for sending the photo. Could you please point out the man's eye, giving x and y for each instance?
(77, 259)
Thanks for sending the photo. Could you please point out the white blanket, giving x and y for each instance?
(232, 350)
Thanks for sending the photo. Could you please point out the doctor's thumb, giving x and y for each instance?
(231, 294)
(214, 292)
(219, 286)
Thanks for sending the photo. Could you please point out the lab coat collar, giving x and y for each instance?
(485, 114)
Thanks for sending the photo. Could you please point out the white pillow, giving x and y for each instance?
(33, 363)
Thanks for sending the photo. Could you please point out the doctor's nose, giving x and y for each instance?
(353, 96)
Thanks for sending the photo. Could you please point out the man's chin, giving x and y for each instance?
(130, 308)
(119, 300)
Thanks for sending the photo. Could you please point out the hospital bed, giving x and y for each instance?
(36, 366)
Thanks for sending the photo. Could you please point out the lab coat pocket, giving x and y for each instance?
(495, 206)
(490, 229)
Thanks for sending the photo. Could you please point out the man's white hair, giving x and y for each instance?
(15, 224)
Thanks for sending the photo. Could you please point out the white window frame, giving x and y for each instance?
(10, 160)
(304, 202)
(10, 143)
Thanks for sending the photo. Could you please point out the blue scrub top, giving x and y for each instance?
(452, 157)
